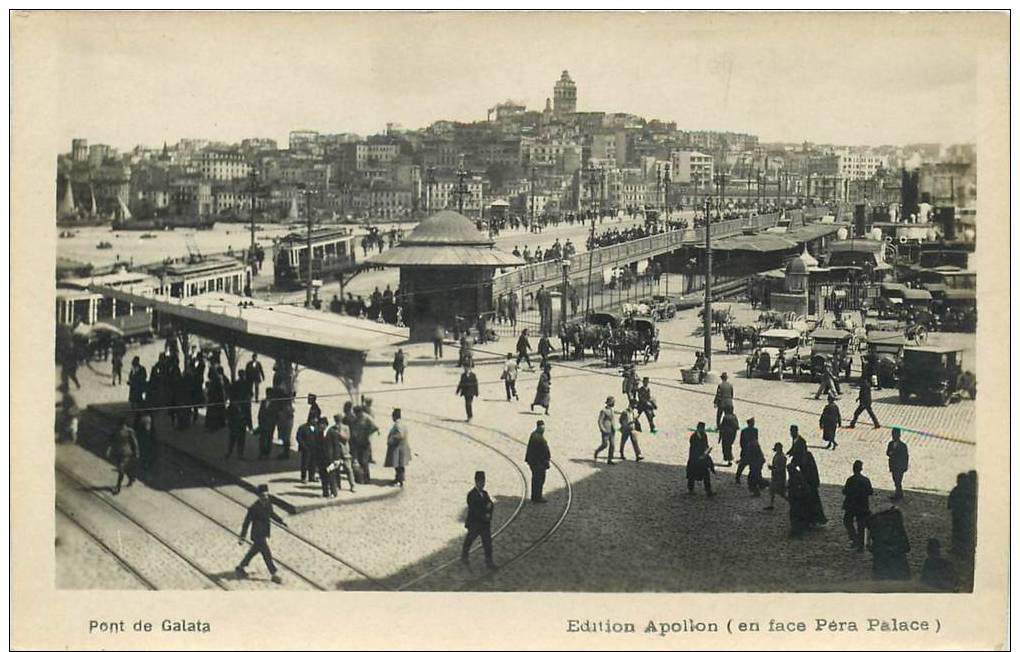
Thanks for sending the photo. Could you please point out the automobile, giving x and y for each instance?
(662, 307)
(780, 344)
(934, 374)
(886, 351)
(830, 346)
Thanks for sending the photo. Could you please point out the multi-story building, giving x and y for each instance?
(304, 140)
(691, 167)
(222, 165)
(858, 166)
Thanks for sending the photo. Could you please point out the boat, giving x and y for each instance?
(67, 234)
(148, 236)
(104, 245)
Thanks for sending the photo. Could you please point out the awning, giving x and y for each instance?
(326, 342)
(445, 256)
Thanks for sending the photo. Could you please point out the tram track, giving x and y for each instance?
(98, 541)
(82, 485)
(533, 545)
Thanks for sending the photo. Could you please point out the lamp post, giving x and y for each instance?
(707, 311)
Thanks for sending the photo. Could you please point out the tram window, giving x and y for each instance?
(81, 310)
(219, 284)
(177, 290)
(192, 289)
(105, 308)
(122, 308)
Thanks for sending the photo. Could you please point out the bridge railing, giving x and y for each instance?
(549, 271)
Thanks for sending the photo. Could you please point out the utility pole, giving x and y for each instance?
(531, 188)
(253, 180)
(593, 179)
(308, 244)
(707, 316)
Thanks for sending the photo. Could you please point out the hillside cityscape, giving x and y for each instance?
(544, 161)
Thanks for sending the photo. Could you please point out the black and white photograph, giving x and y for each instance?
(520, 303)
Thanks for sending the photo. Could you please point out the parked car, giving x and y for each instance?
(780, 351)
(934, 374)
(886, 351)
(830, 346)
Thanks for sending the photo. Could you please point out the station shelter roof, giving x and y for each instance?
(330, 343)
(446, 239)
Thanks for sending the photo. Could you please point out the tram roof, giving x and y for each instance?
(319, 234)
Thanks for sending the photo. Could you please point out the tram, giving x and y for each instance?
(77, 304)
(332, 253)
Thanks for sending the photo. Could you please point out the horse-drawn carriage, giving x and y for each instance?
(618, 339)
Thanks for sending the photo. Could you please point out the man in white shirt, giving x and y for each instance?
(510, 377)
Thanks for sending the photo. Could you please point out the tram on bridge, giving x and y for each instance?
(332, 253)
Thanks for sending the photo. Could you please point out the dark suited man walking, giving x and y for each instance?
(537, 458)
(864, 404)
(258, 518)
(468, 388)
(479, 520)
(899, 461)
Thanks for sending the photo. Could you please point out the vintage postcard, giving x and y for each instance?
(530, 330)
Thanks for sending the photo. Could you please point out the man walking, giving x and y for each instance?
(728, 428)
(537, 458)
(479, 521)
(255, 374)
(258, 518)
(117, 352)
(509, 377)
(523, 346)
(828, 383)
(628, 432)
(829, 421)
(856, 508)
(437, 341)
(899, 461)
(748, 437)
(723, 397)
(468, 388)
(864, 404)
(646, 404)
(607, 429)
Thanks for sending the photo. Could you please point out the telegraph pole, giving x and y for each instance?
(591, 248)
(253, 179)
(308, 243)
(531, 208)
(707, 316)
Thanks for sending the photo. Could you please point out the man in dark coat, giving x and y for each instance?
(523, 346)
(321, 458)
(537, 458)
(137, 384)
(255, 373)
(123, 452)
(478, 522)
(728, 428)
(962, 502)
(723, 397)
(258, 518)
(899, 462)
(468, 388)
(864, 404)
(266, 423)
(798, 445)
(699, 464)
(307, 437)
(856, 505)
(747, 436)
(829, 421)
(646, 404)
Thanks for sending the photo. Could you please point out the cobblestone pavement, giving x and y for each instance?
(630, 527)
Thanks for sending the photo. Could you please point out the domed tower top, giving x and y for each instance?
(565, 95)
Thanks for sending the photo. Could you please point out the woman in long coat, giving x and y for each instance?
(543, 392)
(216, 391)
(810, 470)
(398, 449)
(799, 494)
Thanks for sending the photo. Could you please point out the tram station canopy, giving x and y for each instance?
(333, 344)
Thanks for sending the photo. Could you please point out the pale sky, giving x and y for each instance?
(145, 78)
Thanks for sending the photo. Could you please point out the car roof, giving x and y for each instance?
(781, 332)
(933, 349)
(830, 334)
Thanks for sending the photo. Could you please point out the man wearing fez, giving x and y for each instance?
(258, 518)
(537, 458)
(479, 520)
